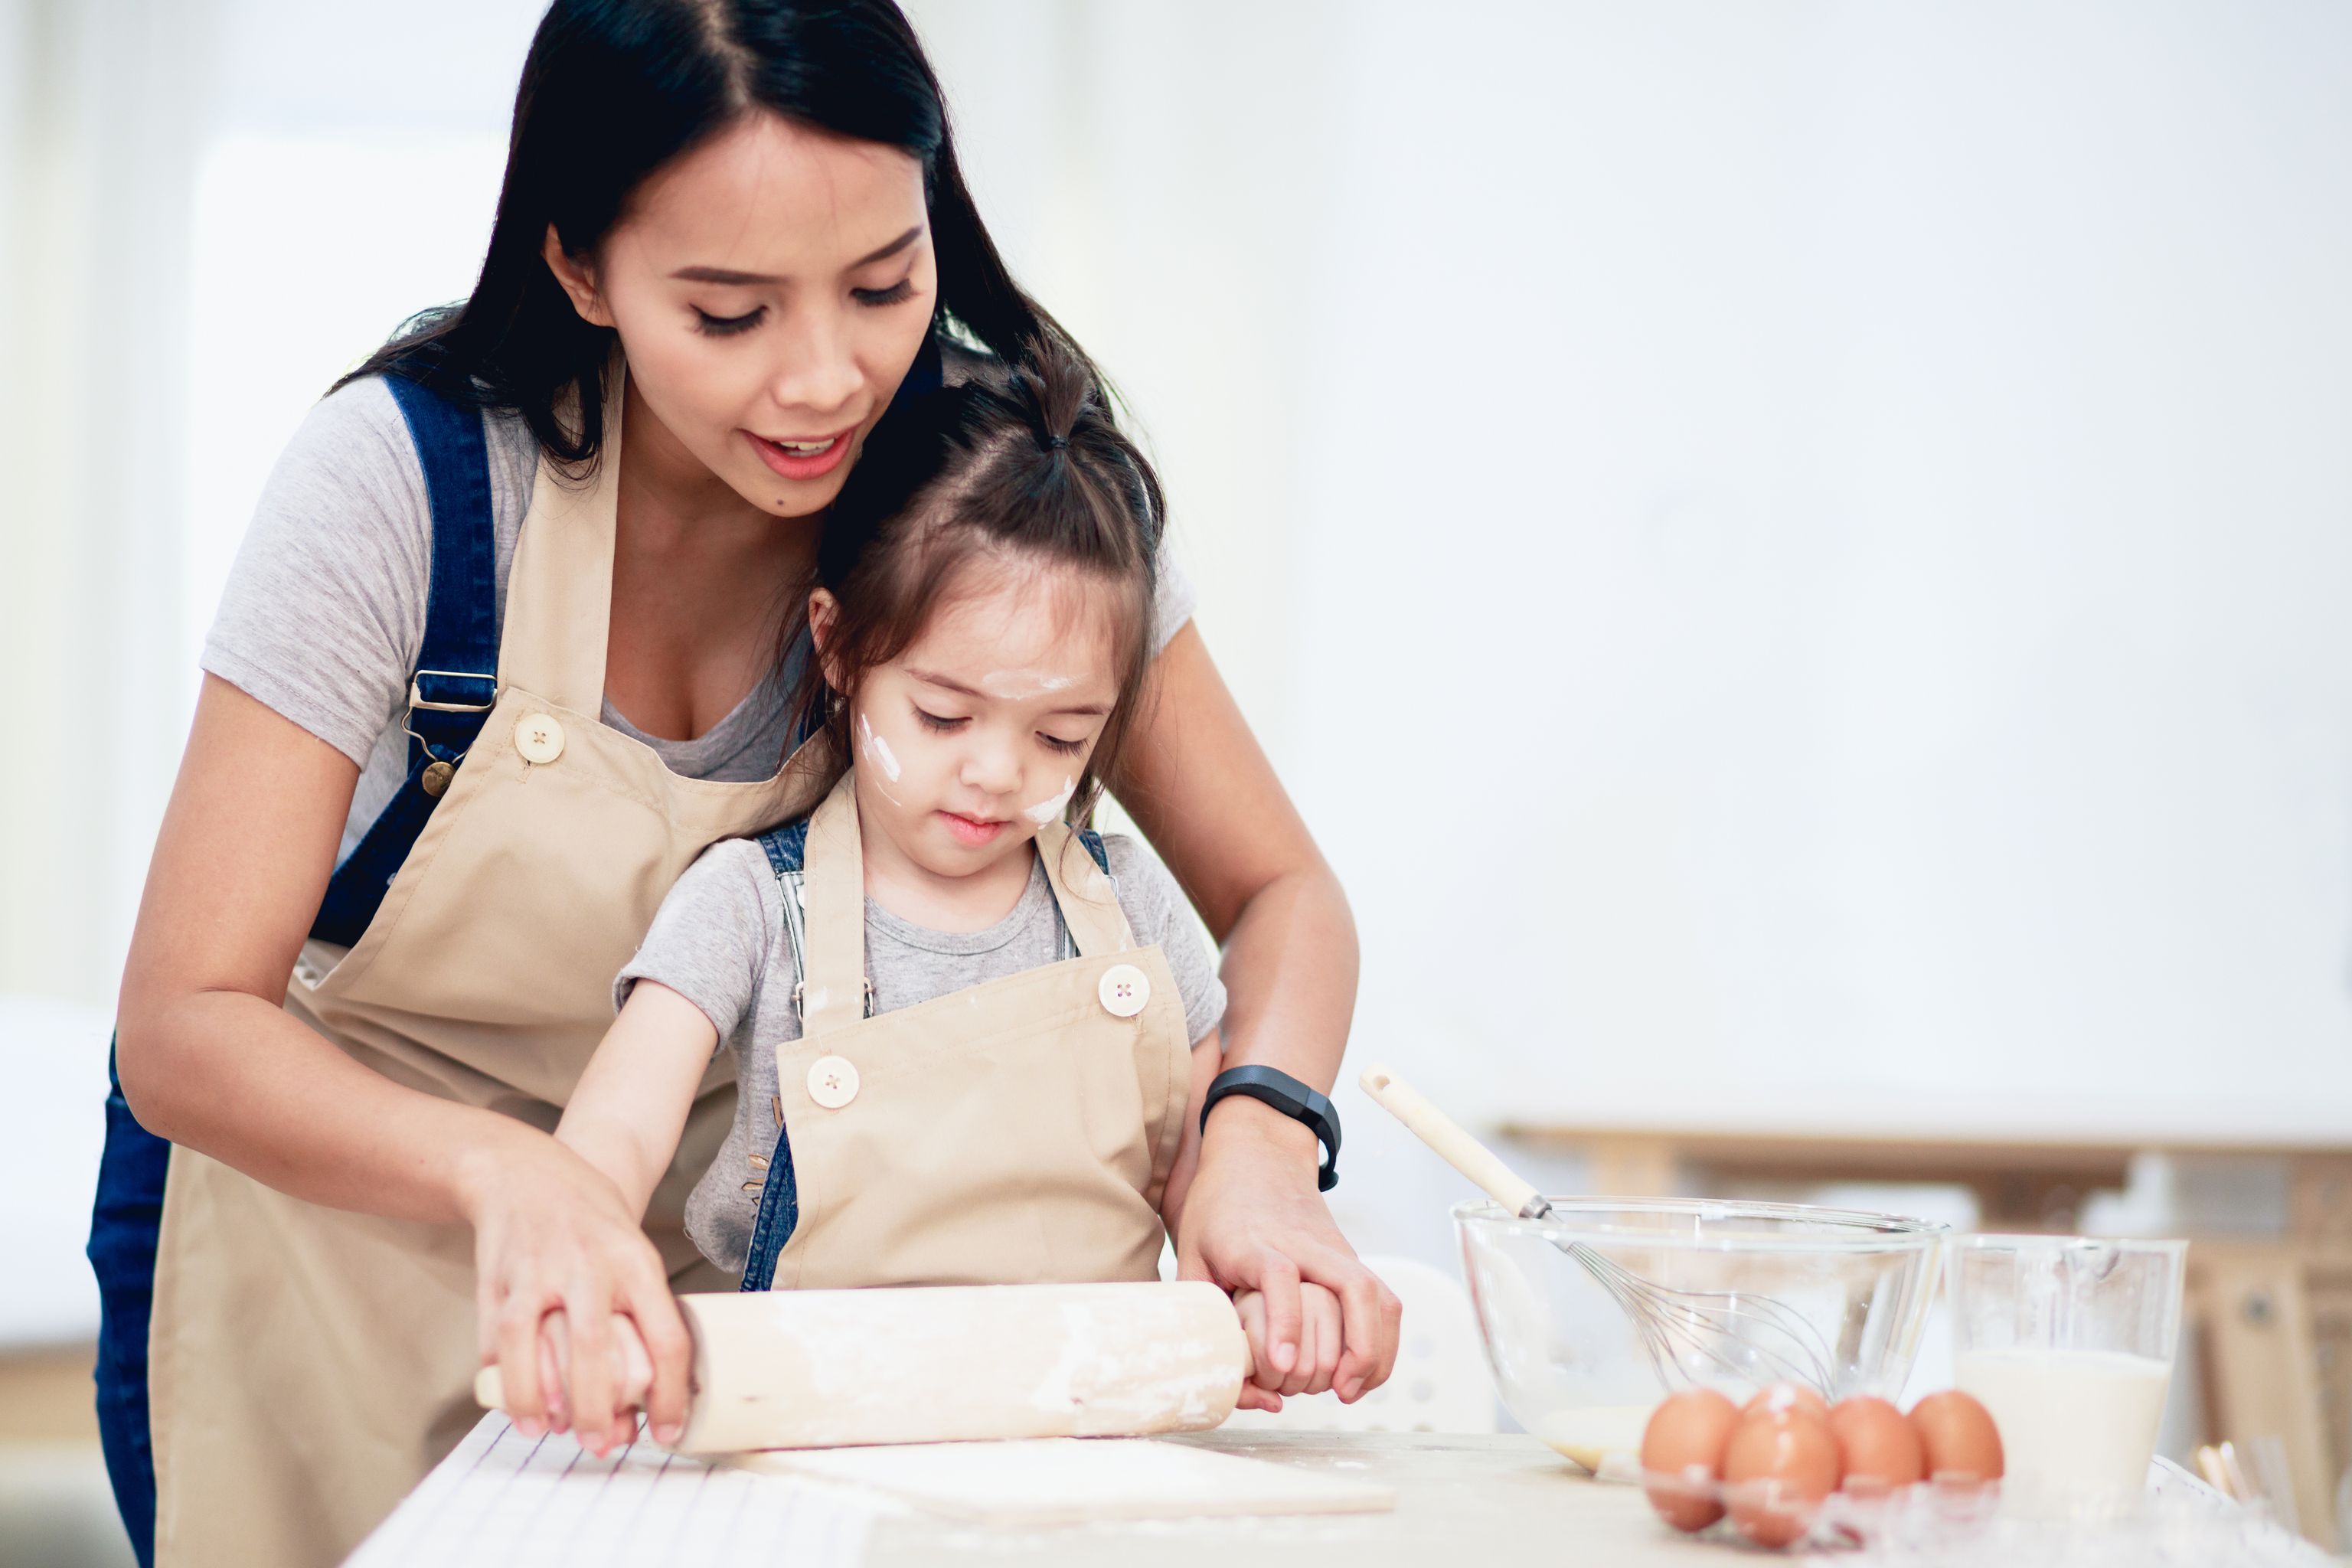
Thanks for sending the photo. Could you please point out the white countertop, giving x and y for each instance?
(1491, 1501)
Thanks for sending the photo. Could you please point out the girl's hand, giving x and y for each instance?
(632, 1365)
(1252, 1220)
(552, 1235)
(1320, 1347)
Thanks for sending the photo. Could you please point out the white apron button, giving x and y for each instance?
(833, 1081)
(540, 739)
(1124, 990)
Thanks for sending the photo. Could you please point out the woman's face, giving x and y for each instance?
(771, 289)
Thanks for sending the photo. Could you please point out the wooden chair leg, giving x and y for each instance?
(2262, 1367)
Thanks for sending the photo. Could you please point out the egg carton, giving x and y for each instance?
(1961, 1524)
(1768, 1512)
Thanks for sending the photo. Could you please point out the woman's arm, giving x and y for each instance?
(629, 1109)
(1201, 788)
(1208, 1058)
(1319, 1327)
(209, 1058)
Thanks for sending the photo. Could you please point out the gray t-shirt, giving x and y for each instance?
(325, 610)
(720, 942)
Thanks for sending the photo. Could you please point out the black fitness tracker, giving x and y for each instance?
(1294, 1100)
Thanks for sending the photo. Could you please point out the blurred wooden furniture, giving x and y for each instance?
(2274, 1326)
(2272, 1315)
(2019, 1184)
(46, 1395)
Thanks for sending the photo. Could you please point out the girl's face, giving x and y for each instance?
(974, 739)
(771, 289)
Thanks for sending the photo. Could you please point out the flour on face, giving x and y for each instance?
(1045, 811)
(878, 750)
(1019, 685)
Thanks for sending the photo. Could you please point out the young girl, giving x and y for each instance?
(971, 1041)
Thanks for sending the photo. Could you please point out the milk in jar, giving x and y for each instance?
(2077, 1427)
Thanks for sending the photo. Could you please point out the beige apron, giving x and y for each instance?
(1017, 1131)
(307, 1366)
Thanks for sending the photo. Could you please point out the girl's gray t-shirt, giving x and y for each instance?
(324, 609)
(721, 942)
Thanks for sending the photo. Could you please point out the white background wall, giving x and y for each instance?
(1794, 557)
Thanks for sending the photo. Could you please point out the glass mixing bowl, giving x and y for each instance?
(1572, 1367)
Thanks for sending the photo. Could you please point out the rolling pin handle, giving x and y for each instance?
(489, 1389)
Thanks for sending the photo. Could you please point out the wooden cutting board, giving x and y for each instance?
(1068, 1481)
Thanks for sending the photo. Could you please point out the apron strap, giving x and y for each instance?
(1084, 890)
(827, 920)
(559, 589)
(454, 685)
(833, 948)
(1066, 949)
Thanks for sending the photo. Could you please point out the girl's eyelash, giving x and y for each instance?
(890, 296)
(934, 721)
(1067, 748)
(727, 326)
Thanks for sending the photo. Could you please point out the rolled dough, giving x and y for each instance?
(1068, 1481)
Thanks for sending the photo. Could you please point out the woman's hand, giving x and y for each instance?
(1252, 1220)
(553, 1235)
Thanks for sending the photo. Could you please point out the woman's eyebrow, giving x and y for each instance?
(724, 275)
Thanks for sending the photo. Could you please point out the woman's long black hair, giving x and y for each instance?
(612, 90)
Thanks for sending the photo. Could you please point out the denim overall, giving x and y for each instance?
(274, 1375)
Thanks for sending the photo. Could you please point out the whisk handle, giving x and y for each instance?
(1457, 1148)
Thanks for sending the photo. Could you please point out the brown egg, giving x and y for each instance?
(1682, 1457)
(1877, 1448)
(1958, 1438)
(1786, 1396)
(1779, 1466)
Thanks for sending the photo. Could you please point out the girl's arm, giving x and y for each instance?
(209, 1058)
(1197, 784)
(630, 1106)
(625, 1119)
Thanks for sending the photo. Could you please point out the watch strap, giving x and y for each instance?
(1270, 1086)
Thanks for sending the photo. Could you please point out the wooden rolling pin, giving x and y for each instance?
(823, 1369)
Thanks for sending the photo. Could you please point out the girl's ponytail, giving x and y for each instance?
(1053, 387)
(1066, 405)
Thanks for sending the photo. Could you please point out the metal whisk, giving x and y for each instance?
(1740, 1335)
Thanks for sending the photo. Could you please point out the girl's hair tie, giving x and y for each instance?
(1055, 443)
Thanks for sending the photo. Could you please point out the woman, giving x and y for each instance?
(482, 684)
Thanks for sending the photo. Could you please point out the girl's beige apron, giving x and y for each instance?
(307, 1366)
(1017, 1131)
